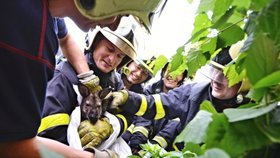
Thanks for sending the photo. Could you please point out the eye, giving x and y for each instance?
(120, 55)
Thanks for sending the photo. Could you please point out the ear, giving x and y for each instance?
(83, 89)
(104, 92)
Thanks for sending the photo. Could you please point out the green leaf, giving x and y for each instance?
(209, 45)
(193, 148)
(269, 80)
(201, 24)
(223, 18)
(214, 153)
(220, 7)
(235, 115)
(176, 60)
(241, 137)
(195, 131)
(257, 5)
(257, 94)
(195, 59)
(233, 76)
(229, 35)
(160, 61)
(207, 106)
(261, 58)
(216, 130)
(269, 22)
(271, 129)
(242, 3)
(205, 5)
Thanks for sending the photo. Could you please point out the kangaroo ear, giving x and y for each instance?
(83, 89)
(104, 92)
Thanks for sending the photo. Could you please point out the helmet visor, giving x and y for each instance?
(214, 72)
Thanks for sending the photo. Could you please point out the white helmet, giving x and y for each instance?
(122, 38)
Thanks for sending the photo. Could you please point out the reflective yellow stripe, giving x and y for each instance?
(160, 113)
(130, 128)
(54, 120)
(161, 141)
(124, 121)
(143, 107)
(175, 146)
(142, 130)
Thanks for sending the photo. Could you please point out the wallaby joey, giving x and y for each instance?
(93, 105)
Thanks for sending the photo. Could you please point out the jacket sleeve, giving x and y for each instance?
(57, 108)
(169, 105)
(167, 134)
(141, 130)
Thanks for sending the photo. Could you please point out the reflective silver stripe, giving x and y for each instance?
(161, 141)
(142, 130)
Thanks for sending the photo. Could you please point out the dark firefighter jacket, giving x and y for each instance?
(182, 102)
(61, 99)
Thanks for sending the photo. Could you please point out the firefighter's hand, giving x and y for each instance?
(92, 135)
(90, 80)
(118, 98)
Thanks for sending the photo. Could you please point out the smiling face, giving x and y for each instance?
(137, 74)
(220, 89)
(171, 83)
(107, 56)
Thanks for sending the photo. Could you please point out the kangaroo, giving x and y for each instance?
(93, 105)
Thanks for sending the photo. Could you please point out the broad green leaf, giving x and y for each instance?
(257, 5)
(220, 7)
(269, 22)
(193, 148)
(233, 76)
(160, 61)
(216, 130)
(242, 3)
(257, 94)
(223, 19)
(205, 5)
(241, 137)
(202, 22)
(269, 80)
(207, 106)
(176, 60)
(270, 129)
(195, 131)
(261, 58)
(229, 35)
(209, 45)
(195, 59)
(214, 153)
(235, 115)
(180, 70)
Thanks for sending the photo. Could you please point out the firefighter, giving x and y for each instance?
(184, 101)
(106, 51)
(162, 131)
(27, 60)
(134, 75)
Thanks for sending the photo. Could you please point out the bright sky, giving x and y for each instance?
(169, 32)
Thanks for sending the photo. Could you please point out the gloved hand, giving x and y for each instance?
(102, 153)
(92, 135)
(118, 98)
(90, 80)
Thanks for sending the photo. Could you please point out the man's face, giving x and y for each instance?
(137, 74)
(107, 56)
(171, 83)
(220, 89)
